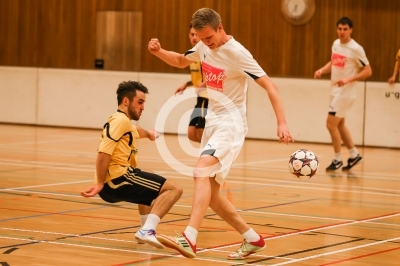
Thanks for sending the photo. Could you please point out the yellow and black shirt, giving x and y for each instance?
(197, 77)
(118, 140)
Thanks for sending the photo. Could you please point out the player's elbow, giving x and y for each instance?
(368, 71)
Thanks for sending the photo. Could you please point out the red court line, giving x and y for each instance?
(361, 256)
(278, 235)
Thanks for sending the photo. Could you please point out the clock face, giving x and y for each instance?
(298, 12)
(295, 8)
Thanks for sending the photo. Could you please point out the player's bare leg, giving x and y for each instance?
(345, 134)
(225, 209)
(192, 134)
(221, 206)
(332, 123)
(199, 134)
(185, 243)
(202, 189)
(354, 158)
(168, 196)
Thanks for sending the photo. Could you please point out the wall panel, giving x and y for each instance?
(62, 33)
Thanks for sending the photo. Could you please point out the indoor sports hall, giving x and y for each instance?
(60, 65)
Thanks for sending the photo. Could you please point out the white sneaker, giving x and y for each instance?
(149, 237)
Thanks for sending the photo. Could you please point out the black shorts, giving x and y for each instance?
(197, 118)
(135, 186)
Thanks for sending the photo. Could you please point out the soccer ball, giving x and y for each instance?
(303, 164)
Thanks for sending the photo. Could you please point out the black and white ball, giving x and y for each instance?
(303, 164)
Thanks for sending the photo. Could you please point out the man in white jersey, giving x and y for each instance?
(348, 64)
(226, 66)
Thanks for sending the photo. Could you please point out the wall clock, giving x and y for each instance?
(298, 12)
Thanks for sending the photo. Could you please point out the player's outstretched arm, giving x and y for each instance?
(169, 57)
(365, 72)
(151, 134)
(283, 130)
(323, 70)
(392, 79)
(102, 163)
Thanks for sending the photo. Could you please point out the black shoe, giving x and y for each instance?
(334, 165)
(351, 162)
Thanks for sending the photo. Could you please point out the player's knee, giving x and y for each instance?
(201, 172)
(177, 189)
(330, 126)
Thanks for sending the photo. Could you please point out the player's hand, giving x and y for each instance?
(181, 89)
(341, 83)
(317, 74)
(152, 134)
(391, 80)
(93, 191)
(284, 134)
(154, 46)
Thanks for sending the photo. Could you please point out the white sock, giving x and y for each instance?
(338, 157)
(151, 222)
(353, 152)
(191, 234)
(143, 219)
(251, 236)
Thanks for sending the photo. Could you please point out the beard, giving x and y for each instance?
(135, 115)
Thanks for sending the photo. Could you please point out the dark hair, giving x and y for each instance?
(128, 89)
(190, 26)
(345, 21)
(205, 16)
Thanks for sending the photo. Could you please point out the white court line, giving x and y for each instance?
(331, 188)
(46, 141)
(47, 185)
(234, 166)
(189, 206)
(120, 249)
(314, 217)
(318, 229)
(361, 190)
(338, 251)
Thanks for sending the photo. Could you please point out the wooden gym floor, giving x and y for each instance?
(332, 219)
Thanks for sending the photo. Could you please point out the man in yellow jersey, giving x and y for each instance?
(392, 79)
(117, 176)
(197, 118)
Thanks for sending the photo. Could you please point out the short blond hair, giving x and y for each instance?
(206, 16)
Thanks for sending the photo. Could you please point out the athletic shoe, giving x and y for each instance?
(149, 237)
(179, 243)
(334, 165)
(351, 162)
(246, 249)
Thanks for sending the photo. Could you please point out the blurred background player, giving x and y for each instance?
(392, 79)
(197, 118)
(348, 64)
(117, 176)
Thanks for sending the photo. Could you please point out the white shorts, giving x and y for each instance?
(339, 106)
(223, 142)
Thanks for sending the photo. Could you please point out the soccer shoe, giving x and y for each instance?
(179, 243)
(351, 162)
(334, 165)
(149, 237)
(246, 249)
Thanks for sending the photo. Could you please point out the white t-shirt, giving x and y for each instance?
(226, 70)
(346, 61)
